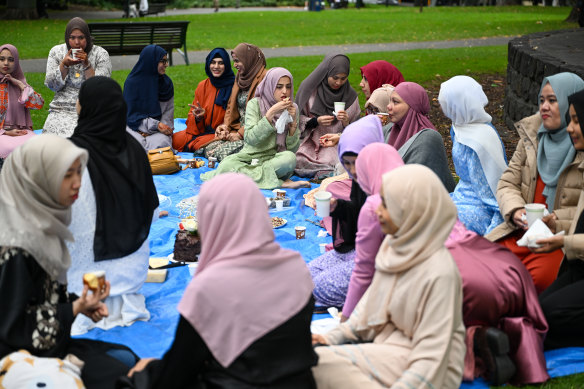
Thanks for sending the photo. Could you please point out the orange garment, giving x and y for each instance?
(542, 267)
(199, 134)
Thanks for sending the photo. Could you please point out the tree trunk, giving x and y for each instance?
(21, 9)
(573, 16)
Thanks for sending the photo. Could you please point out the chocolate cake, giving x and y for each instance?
(186, 246)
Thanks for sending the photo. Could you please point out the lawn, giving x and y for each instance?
(331, 27)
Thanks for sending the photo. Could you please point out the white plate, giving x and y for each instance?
(171, 259)
(285, 221)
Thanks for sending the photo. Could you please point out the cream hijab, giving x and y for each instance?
(421, 208)
(31, 215)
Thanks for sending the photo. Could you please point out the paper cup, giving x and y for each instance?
(279, 193)
(74, 53)
(279, 205)
(322, 248)
(212, 162)
(339, 106)
(300, 232)
(323, 203)
(533, 212)
(193, 268)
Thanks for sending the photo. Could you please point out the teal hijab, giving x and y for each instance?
(555, 151)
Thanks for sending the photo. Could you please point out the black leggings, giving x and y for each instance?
(563, 306)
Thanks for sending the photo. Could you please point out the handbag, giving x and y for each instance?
(163, 161)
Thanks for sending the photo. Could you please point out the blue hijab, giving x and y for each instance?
(555, 151)
(145, 88)
(224, 83)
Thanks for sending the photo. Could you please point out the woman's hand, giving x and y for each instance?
(233, 136)
(91, 304)
(277, 108)
(15, 82)
(549, 244)
(329, 140)
(15, 132)
(221, 132)
(292, 111)
(344, 318)
(325, 120)
(518, 220)
(343, 117)
(82, 57)
(163, 128)
(198, 111)
(550, 221)
(141, 365)
(69, 60)
(317, 338)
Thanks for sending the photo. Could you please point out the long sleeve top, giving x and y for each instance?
(28, 99)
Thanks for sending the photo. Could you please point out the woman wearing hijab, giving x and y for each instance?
(316, 97)
(544, 170)
(407, 329)
(208, 109)
(413, 135)
(16, 99)
(378, 73)
(68, 66)
(377, 105)
(271, 149)
(112, 217)
(256, 332)
(250, 63)
(477, 152)
(149, 94)
(332, 270)
(562, 302)
(38, 184)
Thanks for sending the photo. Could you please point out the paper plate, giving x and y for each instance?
(282, 225)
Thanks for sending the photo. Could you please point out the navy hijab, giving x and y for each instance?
(145, 88)
(224, 84)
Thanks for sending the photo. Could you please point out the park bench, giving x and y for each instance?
(122, 38)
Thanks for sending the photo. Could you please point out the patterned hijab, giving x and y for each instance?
(326, 97)
(224, 83)
(16, 115)
(260, 273)
(32, 217)
(79, 24)
(555, 151)
(416, 119)
(381, 72)
(253, 61)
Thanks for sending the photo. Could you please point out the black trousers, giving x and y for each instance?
(563, 306)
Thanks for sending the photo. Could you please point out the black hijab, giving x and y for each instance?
(224, 83)
(125, 194)
(79, 24)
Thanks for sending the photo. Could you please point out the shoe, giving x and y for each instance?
(492, 346)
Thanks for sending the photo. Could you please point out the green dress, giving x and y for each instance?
(260, 143)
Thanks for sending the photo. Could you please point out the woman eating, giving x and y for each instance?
(149, 94)
(208, 108)
(68, 66)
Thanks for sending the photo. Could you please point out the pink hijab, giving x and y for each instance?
(16, 114)
(416, 119)
(246, 285)
(372, 163)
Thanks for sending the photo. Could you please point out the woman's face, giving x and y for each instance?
(71, 183)
(283, 89)
(162, 65)
(549, 108)
(337, 81)
(6, 62)
(397, 108)
(349, 164)
(364, 84)
(237, 63)
(575, 130)
(77, 39)
(387, 225)
(217, 67)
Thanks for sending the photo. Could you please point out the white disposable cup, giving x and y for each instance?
(323, 203)
(339, 106)
(533, 212)
(279, 205)
(193, 268)
(74, 53)
(322, 248)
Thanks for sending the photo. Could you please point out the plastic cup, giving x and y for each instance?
(322, 248)
(74, 53)
(533, 212)
(339, 106)
(300, 232)
(323, 203)
(193, 268)
(279, 205)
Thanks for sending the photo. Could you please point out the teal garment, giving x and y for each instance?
(260, 143)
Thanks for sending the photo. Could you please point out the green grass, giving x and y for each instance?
(331, 27)
(569, 382)
(416, 65)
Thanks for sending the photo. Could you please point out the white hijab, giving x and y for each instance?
(31, 215)
(462, 100)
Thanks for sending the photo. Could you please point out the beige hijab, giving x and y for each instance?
(421, 208)
(380, 98)
(31, 215)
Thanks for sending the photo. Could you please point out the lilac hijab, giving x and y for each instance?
(17, 116)
(265, 95)
(267, 284)
(359, 134)
(416, 119)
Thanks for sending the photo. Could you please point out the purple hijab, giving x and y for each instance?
(16, 114)
(359, 134)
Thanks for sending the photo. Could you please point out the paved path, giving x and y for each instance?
(128, 61)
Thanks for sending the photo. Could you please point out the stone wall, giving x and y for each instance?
(533, 57)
